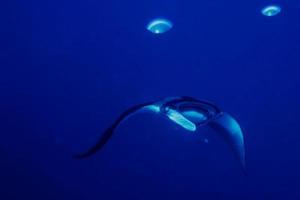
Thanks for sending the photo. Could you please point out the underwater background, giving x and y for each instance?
(69, 68)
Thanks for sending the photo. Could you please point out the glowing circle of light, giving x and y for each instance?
(159, 26)
(271, 10)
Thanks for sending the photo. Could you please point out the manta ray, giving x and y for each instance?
(188, 113)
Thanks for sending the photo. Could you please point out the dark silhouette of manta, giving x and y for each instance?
(187, 112)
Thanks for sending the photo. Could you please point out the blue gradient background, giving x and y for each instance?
(68, 68)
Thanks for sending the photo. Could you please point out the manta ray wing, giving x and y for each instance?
(232, 133)
(146, 107)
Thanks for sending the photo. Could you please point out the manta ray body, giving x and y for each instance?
(190, 114)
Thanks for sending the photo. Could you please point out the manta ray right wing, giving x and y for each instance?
(110, 130)
(232, 133)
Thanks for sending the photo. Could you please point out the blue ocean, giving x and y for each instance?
(219, 82)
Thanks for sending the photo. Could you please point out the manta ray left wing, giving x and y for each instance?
(110, 130)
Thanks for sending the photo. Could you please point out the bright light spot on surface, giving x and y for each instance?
(181, 120)
(271, 10)
(158, 26)
(205, 140)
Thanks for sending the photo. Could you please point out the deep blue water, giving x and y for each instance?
(69, 68)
